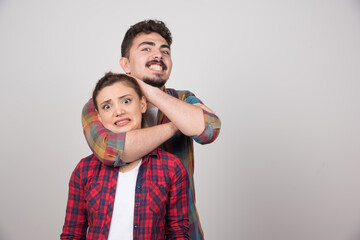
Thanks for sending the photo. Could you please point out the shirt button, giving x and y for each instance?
(136, 205)
(135, 226)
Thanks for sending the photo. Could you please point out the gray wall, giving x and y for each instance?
(282, 75)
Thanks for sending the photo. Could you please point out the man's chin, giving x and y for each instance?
(159, 83)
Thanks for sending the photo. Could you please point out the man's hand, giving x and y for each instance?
(146, 89)
(204, 107)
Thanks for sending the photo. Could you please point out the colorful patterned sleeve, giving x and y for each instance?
(177, 220)
(212, 129)
(212, 122)
(108, 147)
(75, 225)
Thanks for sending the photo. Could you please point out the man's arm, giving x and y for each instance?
(188, 113)
(176, 218)
(111, 148)
(212, 128)
(188, 118)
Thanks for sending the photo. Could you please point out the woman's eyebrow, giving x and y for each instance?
(121, 97)
(109, 100)
(105, 102)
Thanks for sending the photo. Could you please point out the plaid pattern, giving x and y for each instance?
(108, 147)
(161, 199)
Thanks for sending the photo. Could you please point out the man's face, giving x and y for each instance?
(149, 59)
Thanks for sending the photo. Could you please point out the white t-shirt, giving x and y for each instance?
(122, 220)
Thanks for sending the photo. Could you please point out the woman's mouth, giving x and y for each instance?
(122, 122)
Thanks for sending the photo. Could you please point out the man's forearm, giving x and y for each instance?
(188, 118)
(140, 142)
(109, 146)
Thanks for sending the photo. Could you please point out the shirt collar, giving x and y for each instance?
(154, 153)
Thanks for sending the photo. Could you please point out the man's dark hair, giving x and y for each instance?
(146, 26)
(111, 78)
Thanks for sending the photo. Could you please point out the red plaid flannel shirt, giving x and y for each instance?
(161, 199)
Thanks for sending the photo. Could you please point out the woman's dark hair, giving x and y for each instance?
(111, 78)
(146, 26)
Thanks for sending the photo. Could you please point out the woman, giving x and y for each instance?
(145, 199)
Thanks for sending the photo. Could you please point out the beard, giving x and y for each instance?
(159, 83)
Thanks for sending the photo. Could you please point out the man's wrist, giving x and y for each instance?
(173, 128)
(151, 92)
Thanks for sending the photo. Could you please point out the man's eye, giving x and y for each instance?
(127, 100)
(166, 52)
(106, 107)
(146, 49)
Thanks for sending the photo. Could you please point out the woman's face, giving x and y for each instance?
(120, 108)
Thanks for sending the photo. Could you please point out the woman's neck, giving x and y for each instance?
(129, 166)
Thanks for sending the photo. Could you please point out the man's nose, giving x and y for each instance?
(158, 54)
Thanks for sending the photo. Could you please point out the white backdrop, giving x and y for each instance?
(283, 76)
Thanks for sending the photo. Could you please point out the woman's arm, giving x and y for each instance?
(76, 224)
(177, 220)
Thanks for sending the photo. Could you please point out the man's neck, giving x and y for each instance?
(150, 105)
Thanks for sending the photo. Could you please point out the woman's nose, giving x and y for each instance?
(119, 111)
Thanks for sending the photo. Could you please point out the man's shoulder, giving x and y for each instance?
(183, 95)
(176, 92)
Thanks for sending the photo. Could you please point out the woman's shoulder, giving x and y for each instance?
(168, 160)
(90, 160)
(87, 165)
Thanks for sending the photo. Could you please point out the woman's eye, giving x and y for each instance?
(127, 100)
(106, 107)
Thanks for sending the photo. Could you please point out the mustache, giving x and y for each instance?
(156, 61)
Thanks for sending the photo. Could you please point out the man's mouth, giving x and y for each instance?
(156, 65)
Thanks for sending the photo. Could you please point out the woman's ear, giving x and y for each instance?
(143, 104)
(124, 63)
(98, 115)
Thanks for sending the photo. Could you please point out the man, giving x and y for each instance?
(146, 55)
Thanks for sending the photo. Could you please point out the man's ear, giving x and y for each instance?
(124, 63)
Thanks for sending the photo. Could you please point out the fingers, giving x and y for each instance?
(204, 107)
